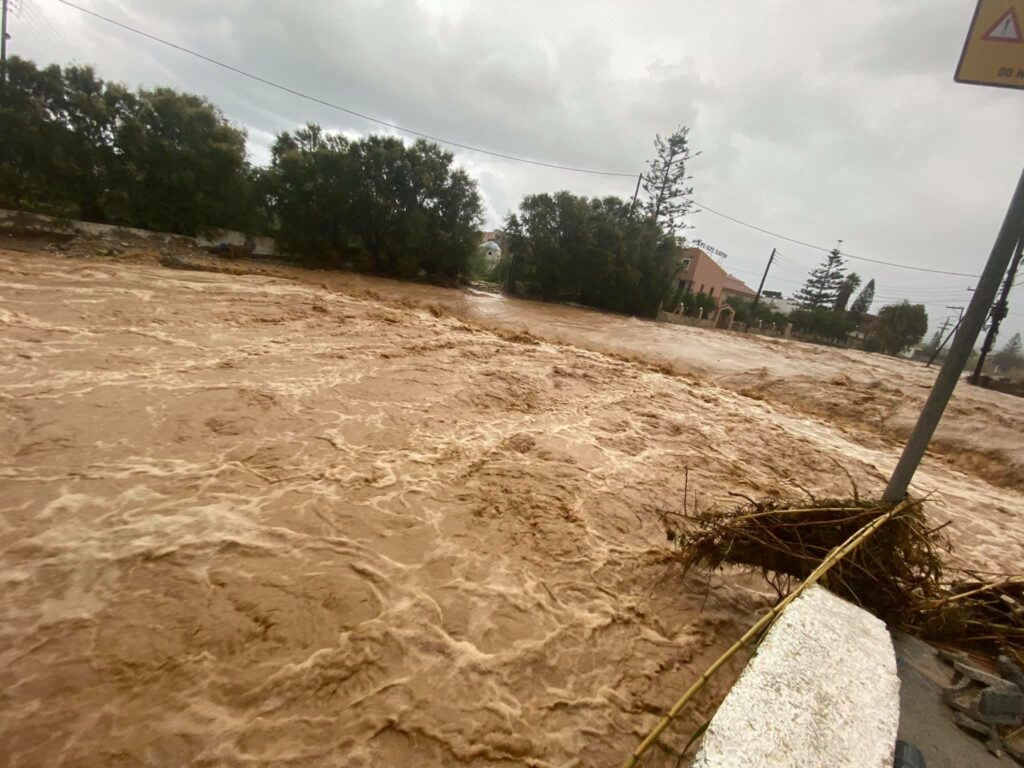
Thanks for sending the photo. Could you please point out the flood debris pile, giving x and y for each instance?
(899, 574)
(989, 706)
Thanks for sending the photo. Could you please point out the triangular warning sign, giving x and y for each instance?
(1006, 30)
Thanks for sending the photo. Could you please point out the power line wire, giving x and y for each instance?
(469, 147)
(823, 248)
(338, 107)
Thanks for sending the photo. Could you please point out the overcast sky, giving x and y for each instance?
(818, 120)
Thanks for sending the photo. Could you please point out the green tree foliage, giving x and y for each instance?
(697, 304)
(668, 195)
(823, 286)
(846, 289)
(74, 145)
(900, 326)
(822, 323)
(1011, 356)
(392, 208)
(747, 313)
(590, 251)
(862, 304)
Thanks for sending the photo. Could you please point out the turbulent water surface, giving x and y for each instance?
(307, 519)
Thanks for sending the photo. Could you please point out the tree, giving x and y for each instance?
(862, 304)
(822, 323)
(900, 326)
(592, 251)
(1011, 356)
(846, 289)
(382, 205)
(747, 312)
(822, 287)
(73, 145)
(668, 196)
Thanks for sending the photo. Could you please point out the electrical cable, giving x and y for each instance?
(479, 150)
(338, 107)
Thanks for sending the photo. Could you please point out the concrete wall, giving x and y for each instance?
(672, 317)
(35, 222)
(704, 275)
(822, 690)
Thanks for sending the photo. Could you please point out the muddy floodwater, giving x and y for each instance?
(285, 517)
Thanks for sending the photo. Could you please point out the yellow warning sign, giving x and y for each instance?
(994, 51)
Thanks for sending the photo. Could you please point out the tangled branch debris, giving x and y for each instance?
(899, 574)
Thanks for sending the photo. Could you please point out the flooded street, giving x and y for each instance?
(312, 518)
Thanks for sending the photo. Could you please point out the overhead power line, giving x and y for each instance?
(469, 147)
(338, 107)
(827, 250)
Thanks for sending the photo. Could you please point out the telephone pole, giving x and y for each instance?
(635, 192)
(763, 278)
(3, 53)
(943, 338)
(999, 311)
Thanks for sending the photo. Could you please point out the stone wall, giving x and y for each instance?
(36, 223)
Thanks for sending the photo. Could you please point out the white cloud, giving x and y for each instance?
(821, 120)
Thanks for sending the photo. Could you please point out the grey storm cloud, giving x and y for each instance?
(820, 121)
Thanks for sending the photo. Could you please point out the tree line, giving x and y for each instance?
(75, 146)
(827, 313)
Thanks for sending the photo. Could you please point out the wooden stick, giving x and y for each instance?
(833, 557)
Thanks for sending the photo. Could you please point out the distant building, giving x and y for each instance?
(492, 252)
(492, 244)
(779, 304)
(699, 273)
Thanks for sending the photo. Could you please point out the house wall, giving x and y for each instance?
(703, 275)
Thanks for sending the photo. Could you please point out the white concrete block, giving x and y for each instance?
(821, 691)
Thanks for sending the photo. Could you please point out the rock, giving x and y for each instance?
(960, 696)
(908, 756)
(977, 675)
(1002, 704)
(972, 726)
(952, 657)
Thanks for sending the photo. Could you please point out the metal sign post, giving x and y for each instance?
(985, 293)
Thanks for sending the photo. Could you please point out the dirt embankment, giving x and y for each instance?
(254, 519)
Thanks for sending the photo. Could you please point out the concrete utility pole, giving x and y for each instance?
(763, 278)
(1002, 251)
(998, 311)
(3, 52)
(635, 192)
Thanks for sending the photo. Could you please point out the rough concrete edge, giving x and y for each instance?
(822, 690)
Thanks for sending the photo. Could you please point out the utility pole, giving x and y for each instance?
(635, 192)
(763, 278)
(3, 53)
(1009, 236)
(999, 311)
(942, 346)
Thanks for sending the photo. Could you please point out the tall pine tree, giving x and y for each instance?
(849, 285)
(823, 286)
(668, 196)
(863, 302)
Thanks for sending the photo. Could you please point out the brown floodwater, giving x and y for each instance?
(302, 518)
